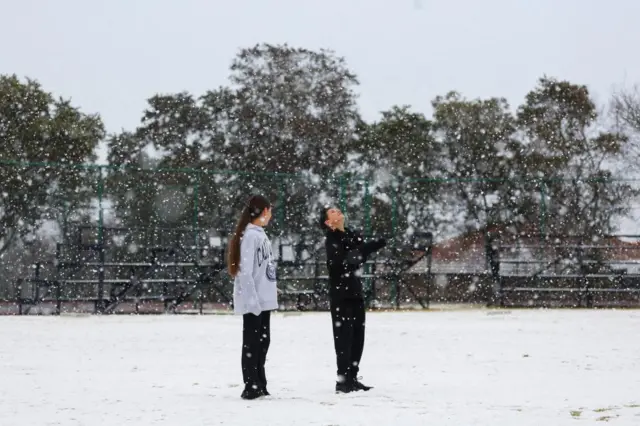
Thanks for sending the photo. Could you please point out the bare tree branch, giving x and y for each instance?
(625, 106)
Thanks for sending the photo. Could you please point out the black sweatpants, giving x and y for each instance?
(348, 318)
(256, 337)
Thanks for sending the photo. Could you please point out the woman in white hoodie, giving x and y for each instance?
(250, 261)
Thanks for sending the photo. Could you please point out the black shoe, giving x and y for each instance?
(265, 392)
(358, 386)
(344, 387)
(251, 393)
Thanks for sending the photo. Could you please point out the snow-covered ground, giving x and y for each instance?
(463, 368)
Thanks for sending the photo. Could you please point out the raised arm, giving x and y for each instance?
(341, 261)
(371, 247)
(360, 255)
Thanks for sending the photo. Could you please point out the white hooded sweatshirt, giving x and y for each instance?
(254, 288)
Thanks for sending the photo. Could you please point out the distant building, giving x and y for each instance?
(525, 255)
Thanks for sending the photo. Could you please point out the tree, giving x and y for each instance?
(145, 192)
(293, 112)
(583, 193)
(626, 108)
(288, 118)
(168, 178)
(37, 128)
(174, 125)
(478, 142)
(625, 111)
(294, 104)
(394, 154)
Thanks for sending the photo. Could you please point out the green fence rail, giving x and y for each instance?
(203, 198)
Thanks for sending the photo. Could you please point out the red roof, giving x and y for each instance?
(473, 243)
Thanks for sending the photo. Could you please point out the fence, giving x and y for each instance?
(202, 198)
(64, 198)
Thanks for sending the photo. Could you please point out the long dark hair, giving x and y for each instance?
(251, 211)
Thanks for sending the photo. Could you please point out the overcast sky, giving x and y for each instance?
(109, 56)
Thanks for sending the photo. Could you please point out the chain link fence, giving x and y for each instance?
(44, 204)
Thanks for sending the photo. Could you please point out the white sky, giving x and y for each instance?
(109, 56)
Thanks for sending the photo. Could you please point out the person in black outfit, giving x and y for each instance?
(346, 253)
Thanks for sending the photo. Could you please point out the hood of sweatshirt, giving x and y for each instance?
(254, 228)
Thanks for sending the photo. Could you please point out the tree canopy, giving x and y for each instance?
(287, 125)
(36, 127)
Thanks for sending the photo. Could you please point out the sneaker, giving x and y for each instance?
(344, 387)
(358, 386)
(250, 393)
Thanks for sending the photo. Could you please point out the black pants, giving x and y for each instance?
(256, 337)
(348, 318)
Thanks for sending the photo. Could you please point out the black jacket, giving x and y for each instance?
(346, 253)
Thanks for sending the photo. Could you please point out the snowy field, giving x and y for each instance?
(465, 368)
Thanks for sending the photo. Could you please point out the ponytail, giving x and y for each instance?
(251, 211)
